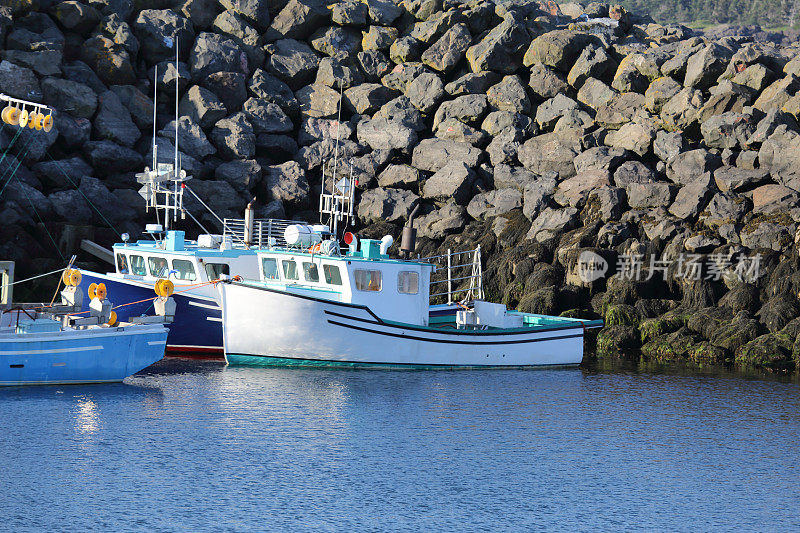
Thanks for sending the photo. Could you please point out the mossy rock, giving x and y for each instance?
(621, 315)
(542, 302)
(656, 327)
(707, 353)
(513, 294)
(671, 347)
(772, 351)
(578, 313)
(706, 321)
(619, 342)
(735, 334)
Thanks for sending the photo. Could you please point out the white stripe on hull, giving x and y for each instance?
(275, 324)
(55, 350)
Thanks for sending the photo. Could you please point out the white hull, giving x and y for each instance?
(267, 323)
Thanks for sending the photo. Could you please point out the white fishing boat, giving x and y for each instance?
(315, 303)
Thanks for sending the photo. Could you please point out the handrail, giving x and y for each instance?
(475, 288)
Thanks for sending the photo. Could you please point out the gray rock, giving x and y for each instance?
(318, 100)
(280, 147)
(107, 157)
(682, 110)
(405, 49)
(667, 145)
(266, 117)
(383, 12)
(350, 13)
(400, 109)
(558, 49)
(636, 137)
(266, 86)
(219, 196)
(401, 75)
(293, 62)
(384, 134)
(75, 16)
(552, 222)
(444, 54)
(767, 126)
(113, 121)
(448, 219)
(725, 208)
(494, 203)
(774, 198)
(379, 38)
(777, 94)
(246, 36)
(202, 106)
(367, 98)
(635, 72)
(256, 11)
(506, 176)
(621, 109)
(112, 208)
(537, 195)
(234, 137)
(600, 158)
(454, 130)
(553, 109)
(169, 75)
(297, 20)
(19, 82)
(42, 62)
(333, 40)
(216, 53)
(549, 152)
(138, 105)
(781, 155)
(51, 173)
(686, 166)
(313, 156)
(157, 29)
(200, 12)
(704, 67)
(504, 148)
(502, 48)
(739, 179)
(693, 197)
(509, 95)
(390, 205)
(339, 71)
(593, 62)
(633, 172)
(287, 182)
(498, 122)
(425, 92)
(574, 191)
(546, 83)
(773, 235)
(472, 83)
(728, 130)
(660, 91)
(469, 109)
(69, 97)
(70, 207)
(400, 177)
(374, 65)
(604, 204)
(73, 133)
(433, 154)
(231, 87)
(244, 176)
(317, 129)
(647, 195)
(595, 94)
(453, 180)
(191, 139)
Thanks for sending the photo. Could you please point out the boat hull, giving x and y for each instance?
(79, 356)
(197, 328)
(262, 326)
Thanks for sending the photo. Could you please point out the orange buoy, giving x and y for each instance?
(157, 287)
(112, 319)
(75, 277)
(92, 291)
(47, 123)
(65, 276)
(23, 118)
(13, 116)
(32, 120)
(4, 114)
(167, 288)
(100, 291)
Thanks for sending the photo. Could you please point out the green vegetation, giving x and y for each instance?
(775, 14)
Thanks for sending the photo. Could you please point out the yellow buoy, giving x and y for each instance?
(13, 116)
(47, 123)
(75, 277)
(32, 120)
(92, 291)
(157, 287)
(100, 291)
(39, 121)
(167, 288)
(112, 319)
(23, 118)
(4, 114)
(65, 276)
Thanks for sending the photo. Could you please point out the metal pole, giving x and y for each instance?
(449, 279)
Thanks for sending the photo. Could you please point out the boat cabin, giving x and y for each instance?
(183, 261)
(395, 290)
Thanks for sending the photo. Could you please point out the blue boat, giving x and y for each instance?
(40, 351)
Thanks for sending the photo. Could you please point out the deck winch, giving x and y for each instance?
(23, 113)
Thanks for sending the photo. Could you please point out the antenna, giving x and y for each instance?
(155, 103)
(177, 168)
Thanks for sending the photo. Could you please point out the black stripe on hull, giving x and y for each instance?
(450, 341)
(410, 365)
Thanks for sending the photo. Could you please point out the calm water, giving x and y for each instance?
(191, 446)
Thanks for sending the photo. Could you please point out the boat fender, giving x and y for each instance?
(100, 291)
(92, 290)
(112, 319)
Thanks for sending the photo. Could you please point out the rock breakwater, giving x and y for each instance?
(607, 165)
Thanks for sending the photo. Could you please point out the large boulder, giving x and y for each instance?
(367, 98)
(246, 36)
(137, 103)
(113, 121)
(255, 11)
(493, 203)
(287, 182)
(686, 166)
(202, 106)
(552, 222)
(444, 54)
(433, 154)
(19, 82)
(648, 195)
(157, 30)
(69, 97)
(693, 197)
(191, 138)
(549, 152)
(244, 176)
(558, 49)
(469, 109)
(265, 85)
(318, 100)
(501, 50)
(425, 92)
(706, 66)
(266, 117)
(216, 53)
(234, 137)
(297, 20)
(728, 130)
(293, 62)
(111, 62)
(384, 134)
(390, 205)
(454, 180)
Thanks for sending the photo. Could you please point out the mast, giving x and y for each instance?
(176, 167)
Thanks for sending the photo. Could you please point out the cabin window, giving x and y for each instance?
(368, 280)
(290, 270)
(269, 266)
(137, 266)
(332, 275)
(184, 270)
(408, 282)
(122, 264)
(310, 272)
(158, 267)
(215, 270)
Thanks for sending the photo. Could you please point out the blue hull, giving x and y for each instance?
(196, 330)
(83, 356)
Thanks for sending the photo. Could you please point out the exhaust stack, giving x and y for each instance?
(409, 239)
